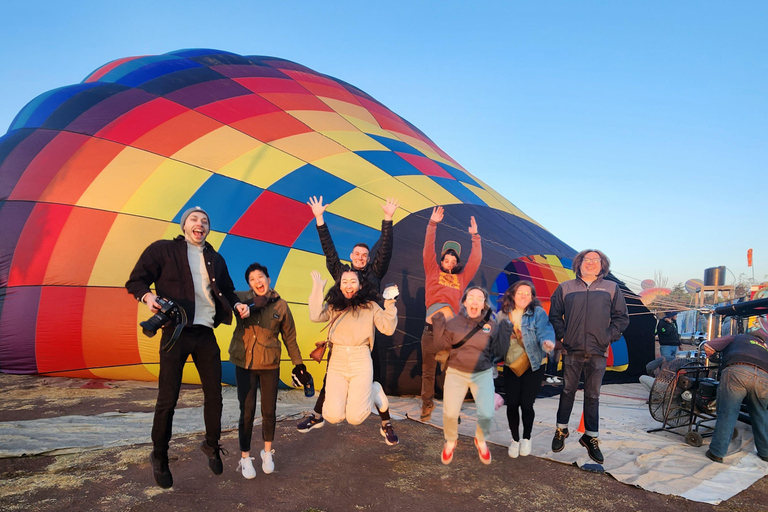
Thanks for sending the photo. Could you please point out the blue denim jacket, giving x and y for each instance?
(535, 328)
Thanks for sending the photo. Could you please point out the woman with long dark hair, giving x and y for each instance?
(353, 315)
(526, 325)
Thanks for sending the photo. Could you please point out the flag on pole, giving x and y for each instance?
(749, 257)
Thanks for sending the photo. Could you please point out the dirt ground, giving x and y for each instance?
(335, 468)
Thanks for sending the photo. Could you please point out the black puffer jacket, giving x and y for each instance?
(378, 264)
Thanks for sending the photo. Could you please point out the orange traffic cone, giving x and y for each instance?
(581, 424)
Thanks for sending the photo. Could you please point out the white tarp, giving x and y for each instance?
(660, 461)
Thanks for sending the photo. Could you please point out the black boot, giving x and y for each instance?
(558, 442)
(160, 469)
(593, 448)
(214, 456)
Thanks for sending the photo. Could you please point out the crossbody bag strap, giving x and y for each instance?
(473, 331)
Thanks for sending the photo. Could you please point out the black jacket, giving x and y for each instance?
(377, 266)
(165, 264)
(588, 318)
(667, 333)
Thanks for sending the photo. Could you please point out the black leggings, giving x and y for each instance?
(248, 381)
(521, 394)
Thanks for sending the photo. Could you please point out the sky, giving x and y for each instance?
(637, 128)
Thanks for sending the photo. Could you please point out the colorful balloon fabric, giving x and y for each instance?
(92, 173)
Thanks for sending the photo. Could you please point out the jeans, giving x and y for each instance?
(593, 367)
(321, 396)
(248, 381)
(520, 395)
(200, 343)
(454, 392)
(349, 383)
(737, 382)
(668, 350)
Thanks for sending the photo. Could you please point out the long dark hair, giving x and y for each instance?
(365, 295)
(508, 299)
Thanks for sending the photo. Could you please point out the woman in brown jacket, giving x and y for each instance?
(255, 352)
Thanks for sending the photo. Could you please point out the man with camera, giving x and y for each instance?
(194, 277)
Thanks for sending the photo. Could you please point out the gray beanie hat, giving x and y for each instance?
(189, 212)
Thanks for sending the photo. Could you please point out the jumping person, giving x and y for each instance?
(188, 271)
(443, 288)
(353, 315)
(255, 352)
(371, 269)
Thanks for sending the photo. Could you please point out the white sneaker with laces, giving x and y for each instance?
(379, 397)
(550, 380)
(245, 466)
(525, 447)
(267, 464)
(514, 449)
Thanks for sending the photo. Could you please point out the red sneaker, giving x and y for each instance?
(446, 457)
(485, 457)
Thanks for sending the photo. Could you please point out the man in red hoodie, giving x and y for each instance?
(443, 287)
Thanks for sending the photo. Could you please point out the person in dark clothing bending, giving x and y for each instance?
(744, 374)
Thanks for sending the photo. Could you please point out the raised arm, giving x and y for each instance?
(429, 256)
(475, 257)
(317, 313)
(332, 261)
(380, 264)
(385, 319)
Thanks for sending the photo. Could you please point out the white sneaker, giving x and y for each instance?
(514, 449)
(245, 466)
(525, 447)
(379, 398)
(267, 464)
(550, 380)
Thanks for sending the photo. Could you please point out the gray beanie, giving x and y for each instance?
(189, 212)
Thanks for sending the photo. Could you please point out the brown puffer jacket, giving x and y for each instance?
(255, 344)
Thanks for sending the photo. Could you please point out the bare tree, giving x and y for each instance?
(659, 279)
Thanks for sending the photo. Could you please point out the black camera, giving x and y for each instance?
(170, 312)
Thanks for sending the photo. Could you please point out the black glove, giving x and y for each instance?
(300, 375)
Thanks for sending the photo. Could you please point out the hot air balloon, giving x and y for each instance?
(92, 173)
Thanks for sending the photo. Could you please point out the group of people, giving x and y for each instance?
(461, 331)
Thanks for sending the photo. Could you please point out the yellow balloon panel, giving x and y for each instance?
(322, 121)
(119, 180)
(351, 168)
(355, 141)
(350, 110)
(167, 190)
(309, 147)
(294, 283)
(425, 193)
(230, 145)
(368, 127)
(122, 247)
(261, 166)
